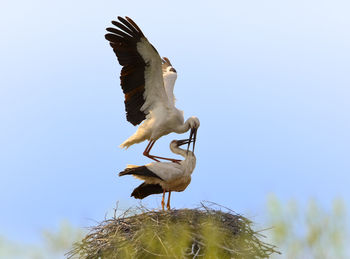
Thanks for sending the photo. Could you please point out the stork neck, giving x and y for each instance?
(169, 82)
(184, 127)
(180, 151)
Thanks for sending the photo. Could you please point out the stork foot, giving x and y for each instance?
(164, 158)
(176, 161)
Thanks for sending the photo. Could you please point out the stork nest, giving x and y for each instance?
(187, 233)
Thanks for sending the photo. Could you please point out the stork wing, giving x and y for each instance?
(146, 189)
(141, 76)
(167, 171)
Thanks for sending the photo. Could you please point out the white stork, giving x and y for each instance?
(147, 82)
(164, 177)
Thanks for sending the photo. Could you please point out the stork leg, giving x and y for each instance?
(168, 203)
(147, 154)
(148, 148)
(163, 200)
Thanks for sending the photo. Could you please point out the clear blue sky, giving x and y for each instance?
(269, 81)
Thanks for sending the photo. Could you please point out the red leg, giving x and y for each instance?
(148, 148)
(169, 159)
(163, 200)
(168, 203)
(147, 154)
(149, 143)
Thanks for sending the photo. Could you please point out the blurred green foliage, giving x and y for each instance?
(309, 231)
(54, 244)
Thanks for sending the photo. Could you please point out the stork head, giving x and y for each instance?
(171, 69)
(178, 143)
(194, 125)
(167, 66)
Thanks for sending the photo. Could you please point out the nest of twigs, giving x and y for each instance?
(186, 233)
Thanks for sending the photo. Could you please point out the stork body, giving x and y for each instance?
(164, 177)
(148, 83)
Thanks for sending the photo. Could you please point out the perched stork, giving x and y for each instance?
(164, 176)
(147, 82)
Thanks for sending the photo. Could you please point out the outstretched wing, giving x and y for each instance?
(141, 76)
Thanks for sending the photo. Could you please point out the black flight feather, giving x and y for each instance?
(141, 171)
(145, 190)
(123, 39)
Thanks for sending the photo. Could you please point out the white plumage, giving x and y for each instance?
(164, 177)
(147, 82)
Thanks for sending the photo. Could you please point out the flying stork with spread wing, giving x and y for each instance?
(147, 82)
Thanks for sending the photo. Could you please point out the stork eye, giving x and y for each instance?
(172, 70)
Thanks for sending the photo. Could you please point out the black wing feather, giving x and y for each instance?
(124, 28)
(130, 21)
(145, 190)
(123, 40)
(141, 171)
